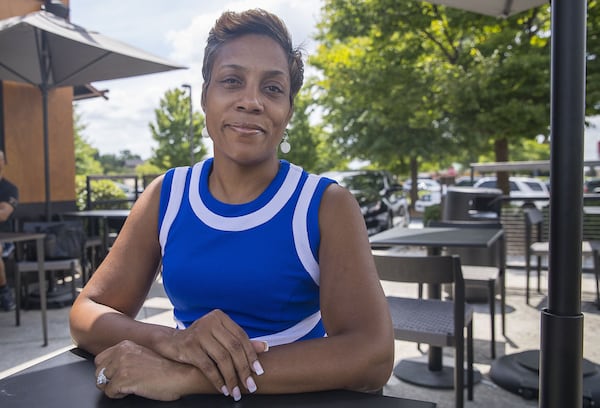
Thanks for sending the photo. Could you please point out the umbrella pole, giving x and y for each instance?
(561, 351)
(48, 210)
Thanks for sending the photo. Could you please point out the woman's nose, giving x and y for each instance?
(250, 101)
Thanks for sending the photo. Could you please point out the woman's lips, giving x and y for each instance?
(246, 129)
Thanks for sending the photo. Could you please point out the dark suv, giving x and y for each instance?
(381, 199)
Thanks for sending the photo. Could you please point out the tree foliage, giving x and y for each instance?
(171, 130)
(310, 147)
(422, 82)
(86, 156)
(120, 163)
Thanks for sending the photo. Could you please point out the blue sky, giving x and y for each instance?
(175, 30)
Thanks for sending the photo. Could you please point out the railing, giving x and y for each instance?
(124, 178)
(513, 222)
(90, 204)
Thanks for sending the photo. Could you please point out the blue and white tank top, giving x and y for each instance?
(257, 262)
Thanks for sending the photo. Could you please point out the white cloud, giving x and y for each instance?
(176, 30)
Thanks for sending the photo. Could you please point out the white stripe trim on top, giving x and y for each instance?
(293, 333)
(247, 221)
(300, 227)
(175, 197)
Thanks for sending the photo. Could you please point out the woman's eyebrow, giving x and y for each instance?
(270, 73)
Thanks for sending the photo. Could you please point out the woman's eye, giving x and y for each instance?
(230, 81)
(274, 89)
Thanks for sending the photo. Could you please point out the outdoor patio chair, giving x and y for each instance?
(536, 246)
(439, 323)
(482, 271)
(64, 249)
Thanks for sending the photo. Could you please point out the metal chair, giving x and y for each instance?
(482, 269)
(439, 323)
(63, 249)
(536, 246)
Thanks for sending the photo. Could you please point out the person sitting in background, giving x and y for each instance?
(256, 253)
(9, 199)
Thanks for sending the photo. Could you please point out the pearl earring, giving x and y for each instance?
(285, 146)
(205, 132)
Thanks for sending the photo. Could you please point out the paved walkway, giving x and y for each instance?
(21, 346)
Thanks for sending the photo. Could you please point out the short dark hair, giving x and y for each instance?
(232, 25)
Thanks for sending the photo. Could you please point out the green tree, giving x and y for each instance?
(119, 163)
(380, 98)
(302, 139)
(171, 131)
(85, 154)
(461, 85)
(311, 148)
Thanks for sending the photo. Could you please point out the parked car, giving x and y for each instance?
(591, 186)
(521, 187)
(427, 200)
(424, 184)
(381, 199)
(465, 181)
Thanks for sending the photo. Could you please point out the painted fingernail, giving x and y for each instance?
(225, 391)
(266, 346)
(257, 368)
(250, 384)
(237, 395)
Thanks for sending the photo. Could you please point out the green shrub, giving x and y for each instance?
(102, 190)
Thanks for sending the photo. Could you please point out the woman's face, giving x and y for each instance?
(247, 102)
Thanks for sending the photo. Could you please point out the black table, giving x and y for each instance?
(68, 380)
(434, 374)
(104, 216)
(39, 239)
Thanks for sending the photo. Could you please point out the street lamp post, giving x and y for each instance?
(191, 135)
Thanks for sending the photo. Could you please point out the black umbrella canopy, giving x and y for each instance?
(45, 50)
(561, 354)
(48, 51)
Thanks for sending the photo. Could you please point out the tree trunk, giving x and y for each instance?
(414, 188)
(501, 150)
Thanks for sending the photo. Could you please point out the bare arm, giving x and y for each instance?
(104, 312)
(5, 211)
(358, 352)
(103, 316)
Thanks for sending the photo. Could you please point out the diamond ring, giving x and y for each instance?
(101, 379)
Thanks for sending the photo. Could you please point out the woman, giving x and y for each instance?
(256, 254)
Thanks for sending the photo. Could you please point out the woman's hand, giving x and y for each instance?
(129, 368)
(221, 350)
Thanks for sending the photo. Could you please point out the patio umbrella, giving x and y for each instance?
(496, 8)
(561, 353)
(48, 51)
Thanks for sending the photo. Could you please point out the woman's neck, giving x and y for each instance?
(234, 184)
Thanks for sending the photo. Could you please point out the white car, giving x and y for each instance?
(427, 200)
(423, 184)
(521, 187)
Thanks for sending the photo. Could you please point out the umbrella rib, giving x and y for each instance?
(59, 82)
(12, 71)
(41, 43)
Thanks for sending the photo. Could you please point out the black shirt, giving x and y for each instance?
(8, 193)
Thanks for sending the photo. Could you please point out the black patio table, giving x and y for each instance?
(434, 374)
(68, 380)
